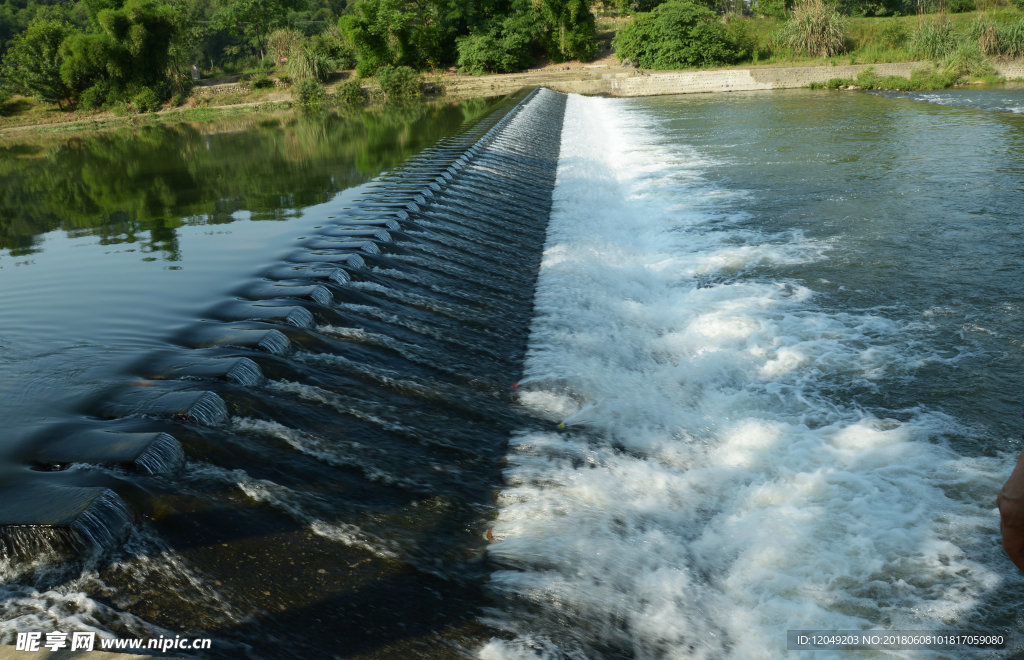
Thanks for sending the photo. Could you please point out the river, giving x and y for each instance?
(758, 370)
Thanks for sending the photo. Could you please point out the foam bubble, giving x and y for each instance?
(709, 491)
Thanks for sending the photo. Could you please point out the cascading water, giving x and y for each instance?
(719, 433)
(724, 461)
(342, 420)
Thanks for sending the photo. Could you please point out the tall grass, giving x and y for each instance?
(871, 40)
(933, 39)
(1011, 38)
(280, 43)
(967, 61)
(816, 28)
(1005, 39)
(307, 63)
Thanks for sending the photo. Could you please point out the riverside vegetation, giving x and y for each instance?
(135, 56)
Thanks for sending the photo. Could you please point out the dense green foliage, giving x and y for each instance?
(137, 54)
(399, 83)
(349, 93)
(310, 92)
(567, 28)
(126, 59)
(507, 45)
(306, 61)
(676, 35)
(495, 35)
(32, 65)
(256, 19)
(95, 53)
(382, 34)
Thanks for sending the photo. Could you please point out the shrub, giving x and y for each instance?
(928, 79)
(399, 83)
(507, 47)
(676, 35)
(493, 53)
(132, 52)
(261, 81)
(867, 78)
(815, 28)
(479, 54)
(743, 39)
(330, 45)
(350, 92)
(933, 39)
(566, 29)
(94, 97)
(920, 79)
(146, 100)
(33, 61)
(310, 92)
(772, 8)
(960, 6)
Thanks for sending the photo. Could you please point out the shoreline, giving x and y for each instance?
(595, 79)
(607, 80)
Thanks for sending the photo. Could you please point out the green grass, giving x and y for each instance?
(874, 40)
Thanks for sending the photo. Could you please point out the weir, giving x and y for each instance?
(370, 368)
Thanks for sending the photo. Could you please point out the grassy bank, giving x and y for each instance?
(37, 122)
(23, 116)
(896, 38)
(960, 45)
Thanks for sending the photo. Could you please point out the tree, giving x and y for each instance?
(9, 26)
(255, 18)
(191, 29)
(506, 46)
(380, 34)
(569, 28)
(676, 35)
(33, 62)
(128, 56)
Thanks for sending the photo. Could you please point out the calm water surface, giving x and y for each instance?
(109, 242)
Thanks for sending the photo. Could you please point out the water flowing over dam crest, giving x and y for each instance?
(329, 440)
(585, 380)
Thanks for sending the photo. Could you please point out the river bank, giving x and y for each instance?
(602, 78)
(607, 80)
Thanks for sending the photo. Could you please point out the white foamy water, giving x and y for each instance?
(708, 492)
(44, 595)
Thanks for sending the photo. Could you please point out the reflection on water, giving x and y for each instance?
(139, 186)
(297, 425)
